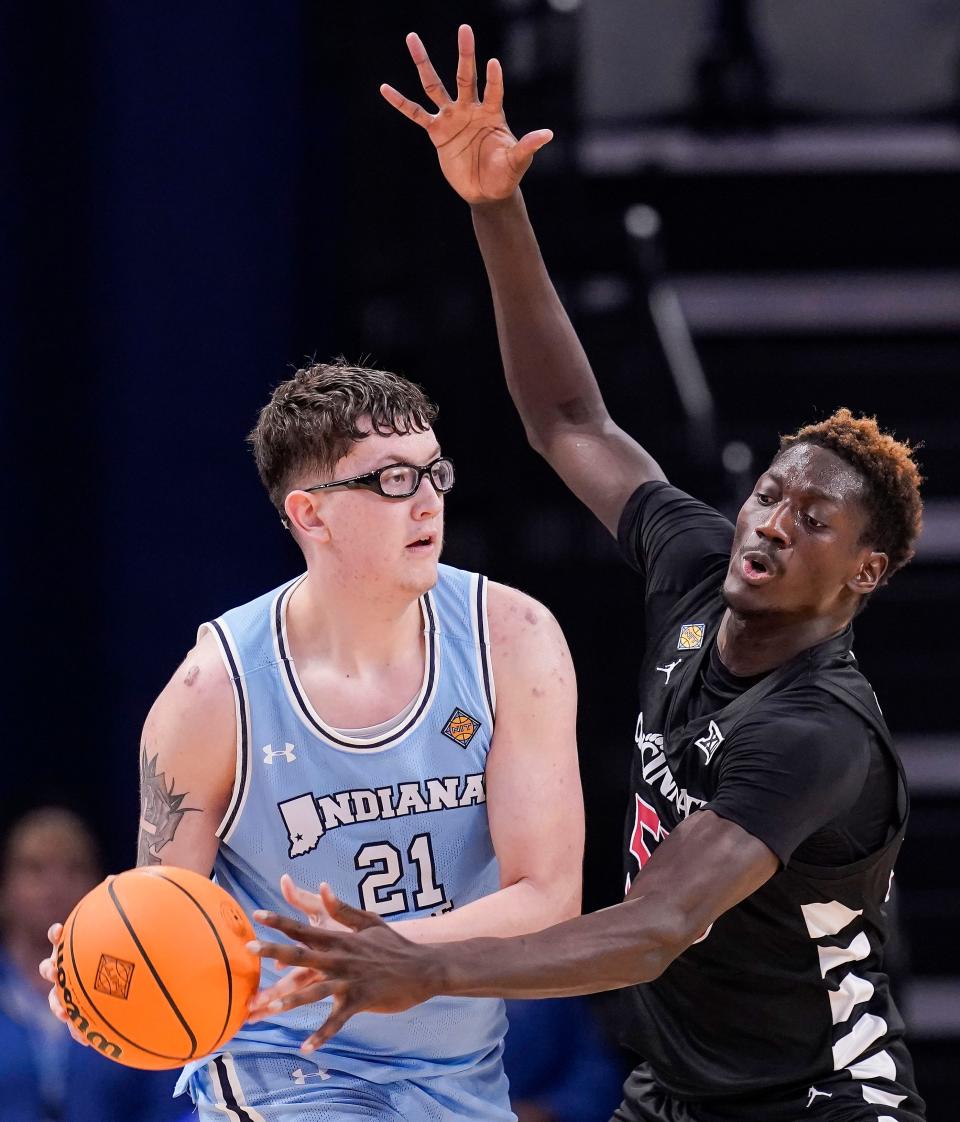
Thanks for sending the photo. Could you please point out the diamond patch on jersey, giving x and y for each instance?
(709, 743)
(113, 976)
(691, 636)
(461, 728)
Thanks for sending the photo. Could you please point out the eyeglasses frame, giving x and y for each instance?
(370, 481)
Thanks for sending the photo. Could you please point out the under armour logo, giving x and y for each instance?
(299, 1076)
(813, 1092)
(711, 742)
(269, 754)
(669, 669)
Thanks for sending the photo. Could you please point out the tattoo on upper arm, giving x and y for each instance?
(161, 811)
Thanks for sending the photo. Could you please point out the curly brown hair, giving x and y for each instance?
(312, 419)
(892, 478)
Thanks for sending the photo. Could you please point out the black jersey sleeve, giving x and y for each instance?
(672, 539)
(796, 765)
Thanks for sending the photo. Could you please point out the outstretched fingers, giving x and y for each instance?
(272, 998)
(343, 1010)
(307, 933)
(285, 954)
(306, 995)
(429, 79)
(466, 63)
(493, 89)
(408, 108)
(521, 154)
(305, 901)
(345, 914)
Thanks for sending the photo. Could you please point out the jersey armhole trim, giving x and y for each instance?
(481, 633)
(241, 780)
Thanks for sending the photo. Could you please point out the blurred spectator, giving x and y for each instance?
(49, 861)
(560, 1066)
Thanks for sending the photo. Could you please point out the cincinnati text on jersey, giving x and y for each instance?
(308, 817)
(653, 763)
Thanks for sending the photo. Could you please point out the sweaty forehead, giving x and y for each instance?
(811, 468)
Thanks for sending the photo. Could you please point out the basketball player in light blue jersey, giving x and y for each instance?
(396, 728)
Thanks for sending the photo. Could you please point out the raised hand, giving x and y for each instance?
(480, 157)
(369, 969)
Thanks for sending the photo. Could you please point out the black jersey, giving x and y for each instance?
(785, 989)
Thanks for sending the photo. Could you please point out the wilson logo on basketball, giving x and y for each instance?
(193, 970)
(80, 1021)
(461, 728)
(113, 976)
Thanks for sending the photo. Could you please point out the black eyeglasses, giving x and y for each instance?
(397, 481)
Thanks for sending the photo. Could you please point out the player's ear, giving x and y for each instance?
(868, 577)
(304, 518)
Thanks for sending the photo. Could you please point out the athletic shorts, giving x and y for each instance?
(284, 1087)
(837, 1099)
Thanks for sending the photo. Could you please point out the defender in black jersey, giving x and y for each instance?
(786, 989)
(768, 804)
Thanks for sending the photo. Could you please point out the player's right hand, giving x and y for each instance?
(48, 971)
(480, 157)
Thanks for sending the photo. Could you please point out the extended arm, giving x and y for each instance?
(548, 374)
(706, 866)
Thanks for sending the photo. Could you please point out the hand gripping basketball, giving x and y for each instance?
(123, 983)
(48, 971)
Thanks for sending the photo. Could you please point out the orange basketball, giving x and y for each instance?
(152, 967)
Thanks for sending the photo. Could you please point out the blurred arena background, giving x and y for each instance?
(750, 209)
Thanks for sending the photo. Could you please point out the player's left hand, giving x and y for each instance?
(312, 905)
(370, 968)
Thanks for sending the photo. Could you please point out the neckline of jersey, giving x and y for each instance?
(303, 707)
(381, 728)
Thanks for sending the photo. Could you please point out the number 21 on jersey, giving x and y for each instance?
(378, 888)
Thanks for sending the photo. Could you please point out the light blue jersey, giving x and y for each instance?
(396, 823)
